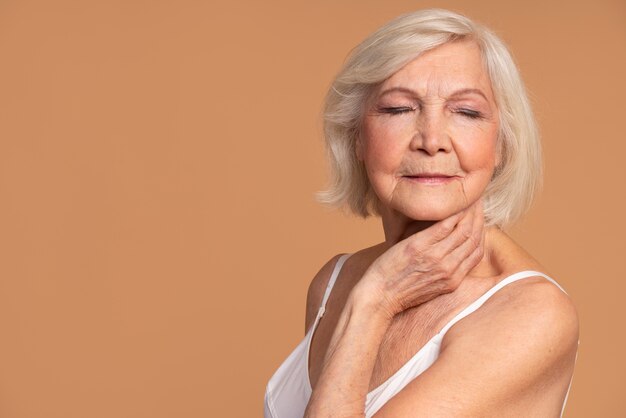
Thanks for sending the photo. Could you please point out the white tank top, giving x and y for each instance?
(289, 389)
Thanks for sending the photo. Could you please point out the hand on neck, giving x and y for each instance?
(398, 227)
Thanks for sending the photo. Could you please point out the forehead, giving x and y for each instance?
(442, 70)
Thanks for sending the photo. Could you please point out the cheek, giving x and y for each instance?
(382, 154)
(476, 146)
(477, 157)
(382, 146)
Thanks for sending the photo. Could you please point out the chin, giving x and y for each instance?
(430, 212)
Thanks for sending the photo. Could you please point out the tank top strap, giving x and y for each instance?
(479, 302)
(331, 282)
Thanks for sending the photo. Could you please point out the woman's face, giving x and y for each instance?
(428, 137)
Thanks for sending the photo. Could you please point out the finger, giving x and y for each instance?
(442, 229)
(480, 208)
(464, 255)
(462, 231)
(470, 241)
(470, 262)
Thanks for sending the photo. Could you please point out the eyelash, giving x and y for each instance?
(396, 110)
(472, 114)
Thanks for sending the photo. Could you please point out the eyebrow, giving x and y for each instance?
(459, 92)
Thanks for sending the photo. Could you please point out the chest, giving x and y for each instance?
(409, 332)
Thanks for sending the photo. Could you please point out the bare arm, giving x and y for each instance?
(343, 385)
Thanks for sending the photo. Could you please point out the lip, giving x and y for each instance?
(431, 178)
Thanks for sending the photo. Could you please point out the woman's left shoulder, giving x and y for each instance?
(528, 330)
(540, 302)
(532, 316)
(540, 296)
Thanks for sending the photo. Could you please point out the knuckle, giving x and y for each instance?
(443, 288)
(436, 264)
(477, 243)
(465, 231)
(474, 241)
(437, 279)
(456, 280)
(408, 253)
(436, 258)
(446, 228)
(412, 248)
(452, 284)
(447, 267)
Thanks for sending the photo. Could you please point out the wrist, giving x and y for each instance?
(371, 302)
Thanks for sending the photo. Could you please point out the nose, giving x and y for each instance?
(430, 135)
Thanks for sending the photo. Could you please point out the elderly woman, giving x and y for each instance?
(428, 126)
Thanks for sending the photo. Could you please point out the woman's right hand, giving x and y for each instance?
(426, 264)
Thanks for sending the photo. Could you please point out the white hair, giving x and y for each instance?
(518, 175)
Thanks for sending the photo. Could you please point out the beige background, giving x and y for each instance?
(157, 167)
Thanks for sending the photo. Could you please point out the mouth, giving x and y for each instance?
(431, 178)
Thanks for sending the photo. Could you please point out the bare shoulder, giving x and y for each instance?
(534, 300)
(316, 290)
(513, 357)
(532, 310)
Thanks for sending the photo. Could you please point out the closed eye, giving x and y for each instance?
(396, 110)
(472, 114)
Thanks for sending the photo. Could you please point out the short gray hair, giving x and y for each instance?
(517, 177)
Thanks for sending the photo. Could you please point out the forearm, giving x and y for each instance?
(343, 385)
